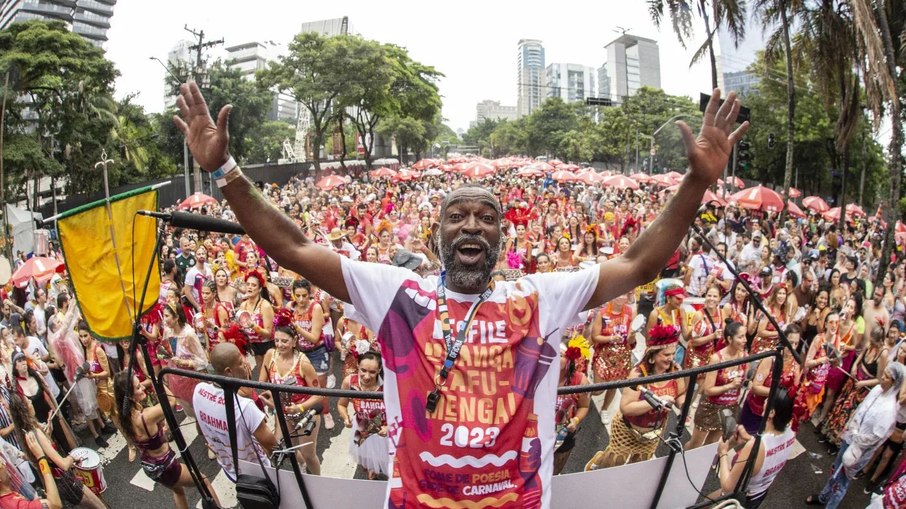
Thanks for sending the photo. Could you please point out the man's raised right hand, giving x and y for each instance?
(208, 142)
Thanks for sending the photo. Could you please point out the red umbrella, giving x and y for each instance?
(854, 210)
(640, 177)
(675, 175)
(424, 164)
(478, 170)
(662, 180)
(759, 198)
(330, 182)
(197, 200)
(564, 176)
(794, 193)
(432, 172)
(545, 167)
(39, 267)
(710, 197)
(383, 172)
(530, 171)
(794, 209)
(621, 182)
(815, 203)
(405, 174)
(591, 177)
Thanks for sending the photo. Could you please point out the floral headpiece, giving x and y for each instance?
(662, 336)
(282, 317)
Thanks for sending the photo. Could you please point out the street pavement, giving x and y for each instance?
(128, 487)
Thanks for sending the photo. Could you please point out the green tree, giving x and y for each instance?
(408, 132)
(509, 137)
(251, 104)
(265, 142)
(548, 126)
(315, 72)
(63, 81)
(480, 132)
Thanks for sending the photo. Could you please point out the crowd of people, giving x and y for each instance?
(226, 306)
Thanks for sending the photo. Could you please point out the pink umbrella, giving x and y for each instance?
(590, 177)
(432, 172)
(330, 182)
(795, 193)
(640, 177)
(478, 170)
(854, 210)
(794, 209)
(545, 167)
(383, 172)
(424, 164)
(661, 180)
(675, 175)
(710, 197)
(815, 203)
(759, 198)
(196, 200)
(40, 268)
(405, 174)
(621, 182)
(564, 176)
(530, 171)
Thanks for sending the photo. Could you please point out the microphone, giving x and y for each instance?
(307, 423)
(196, 221)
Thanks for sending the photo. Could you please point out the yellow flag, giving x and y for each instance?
(107, 260)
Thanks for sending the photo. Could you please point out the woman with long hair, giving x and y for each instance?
(707, 331)
(29, 384)
(863, 376)
(721, 389)
(256, 316)
(188, 354)
(71, 489)
(752, 411)
(226, 294)
(588, 249)
(369, 445)
(144, 426)
(563, 258)
(636, 429)
(99, 373)
(812, 323)
(353, 338)
(816, 366)
(738, 309)
(780, 309)
(838, 293)
(613, 343)
(570, 409)
(852, 328)
(212, 317)
(285, 366)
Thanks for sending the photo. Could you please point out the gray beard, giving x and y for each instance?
(468, 276)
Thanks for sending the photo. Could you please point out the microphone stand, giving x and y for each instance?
(756, 300)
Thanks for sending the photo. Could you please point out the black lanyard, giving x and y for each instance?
(453, 345)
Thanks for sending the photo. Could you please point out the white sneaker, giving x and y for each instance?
(328, 422)
(331, 381)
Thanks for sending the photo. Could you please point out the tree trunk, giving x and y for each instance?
(896, 143)
(844, 168)
(343, 142)
(791, 104)
(704, 10)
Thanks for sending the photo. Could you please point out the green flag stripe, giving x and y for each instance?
(89, 206)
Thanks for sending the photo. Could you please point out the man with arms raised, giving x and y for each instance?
(471, 367)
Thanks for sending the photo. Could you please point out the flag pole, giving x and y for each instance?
(102, 164)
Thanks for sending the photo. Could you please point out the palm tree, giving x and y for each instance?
(826, 38)
(772, 12)
(879, 24)
(728, 13)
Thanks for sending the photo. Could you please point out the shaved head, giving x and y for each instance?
(470, 192)
(225, 356)
(469, 237)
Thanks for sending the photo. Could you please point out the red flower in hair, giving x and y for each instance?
(282, 317)
(662, 335)
(573, 353)
(235, 335)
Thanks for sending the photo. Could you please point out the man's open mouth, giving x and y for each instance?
(470, 253)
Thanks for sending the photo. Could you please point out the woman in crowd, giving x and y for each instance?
(707, 330)
(838, 293)
(256, 316)
(543, 263)
(569, 409)
(588, 249)
(737, 309)
(385, 246)
(99, 373)
(71, 489)
(721, 388)
(613, 343)
(226, 294)
(369, 445)
(144, 426)
(873, 421)
(637, 427)
(813, 322)
(852, 327)
(28, 384)
(781, 310)
(212, 317)
(188, 355)
(308, 322)
(862, 377)
(353, 336)
(752, 411)
(817, 364)
(774, 450)
(285, 366)
(880, 464)
(563, 258)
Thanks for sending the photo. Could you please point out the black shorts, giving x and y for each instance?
(261, 348)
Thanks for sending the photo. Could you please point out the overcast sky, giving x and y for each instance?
(472, 43)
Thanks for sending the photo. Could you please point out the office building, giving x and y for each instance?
(495, 111)
(570, 82)
(88, 18)
(630, 63)
(743, 82)
(251, 57)
(530, 76)
(328, 27)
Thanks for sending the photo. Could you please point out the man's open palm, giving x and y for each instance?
(207, 141)
(709, 152)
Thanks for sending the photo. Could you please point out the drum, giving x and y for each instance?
(88, 468)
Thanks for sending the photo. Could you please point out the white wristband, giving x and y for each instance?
(219, 175)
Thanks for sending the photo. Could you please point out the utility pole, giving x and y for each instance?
(200, 76)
